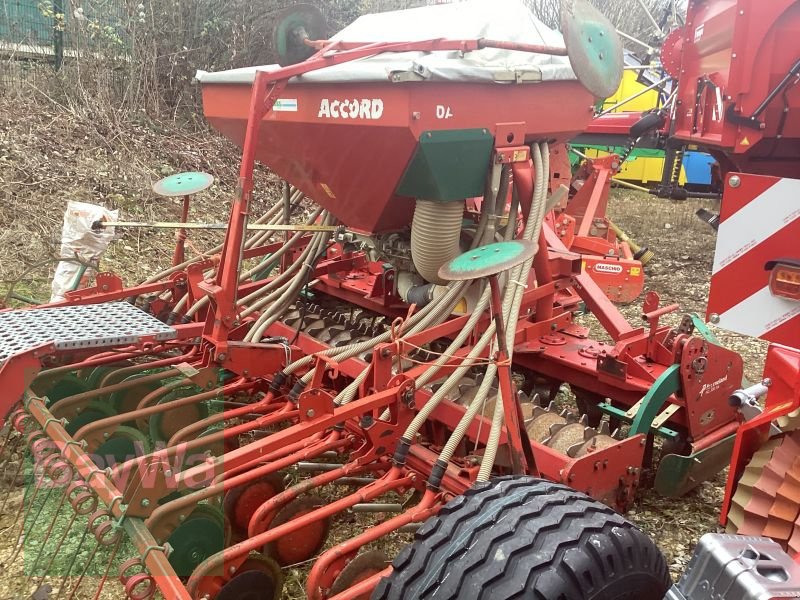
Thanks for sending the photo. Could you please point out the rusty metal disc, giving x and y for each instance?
(566, 437)
(183, 184)
(294, 25)
(165, 424)
(598, 442)
(241, 502)
(593, 46)
(259, 578)
(126, 400)
(305, 541)
(363, 566)
(488, 260)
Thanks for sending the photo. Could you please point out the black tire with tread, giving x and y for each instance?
(526, 538)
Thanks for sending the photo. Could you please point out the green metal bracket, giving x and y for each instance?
(667, 384)
(620, 414)
(708, 335)
(268, 268)
(703, 329)
(652, 403)
(677, 474)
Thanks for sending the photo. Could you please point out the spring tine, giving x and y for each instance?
(86, 566)
(7, 442)
(11, 485)
(57, 546)
(23, 512)
(71, 564)
(33, 521)
(43, 542)
(101, 584)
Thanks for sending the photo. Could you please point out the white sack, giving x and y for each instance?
(79, 240)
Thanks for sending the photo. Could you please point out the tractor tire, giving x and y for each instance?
(525, 538)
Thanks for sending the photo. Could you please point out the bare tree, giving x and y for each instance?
(645, 20)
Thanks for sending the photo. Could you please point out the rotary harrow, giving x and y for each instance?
(308, 399)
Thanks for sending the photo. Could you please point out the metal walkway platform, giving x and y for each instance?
(68, 327)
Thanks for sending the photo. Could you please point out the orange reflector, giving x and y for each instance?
(785, 281)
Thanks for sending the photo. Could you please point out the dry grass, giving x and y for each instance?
(55, 154)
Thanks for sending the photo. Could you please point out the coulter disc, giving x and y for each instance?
(93, 411)
(304, 542)
(295, 25)
(259, 578)
(124, 444)
(593, 46)
(198, 537)
(241, 502)
(362, 567)
(166, 424)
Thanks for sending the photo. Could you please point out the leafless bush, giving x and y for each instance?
(139, 57)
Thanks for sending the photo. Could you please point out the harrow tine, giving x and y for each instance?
(104, 578)
(65, 577)
(11, 484)
(85, 569)
(60, 543)
(7, 441)
(50, 487)
(43, 542)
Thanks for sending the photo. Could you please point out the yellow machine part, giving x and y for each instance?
(639, 168)
(636, 168)
(627, 88)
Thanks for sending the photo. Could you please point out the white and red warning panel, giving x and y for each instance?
(758, 242)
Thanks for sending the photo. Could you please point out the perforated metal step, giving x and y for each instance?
(92, 325)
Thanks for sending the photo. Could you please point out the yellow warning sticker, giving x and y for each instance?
(583, 265)
(635, 271)
(745, 141)
(327, 190)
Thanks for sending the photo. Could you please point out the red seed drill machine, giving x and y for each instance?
(317, 388)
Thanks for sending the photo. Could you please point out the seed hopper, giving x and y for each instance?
(241, 413)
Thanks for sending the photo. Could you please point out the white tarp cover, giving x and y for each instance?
(504, 20)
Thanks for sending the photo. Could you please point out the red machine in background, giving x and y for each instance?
(737, 66)
(580, 221)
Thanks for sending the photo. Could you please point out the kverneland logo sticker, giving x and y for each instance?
(607, 268)
(713, 386)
